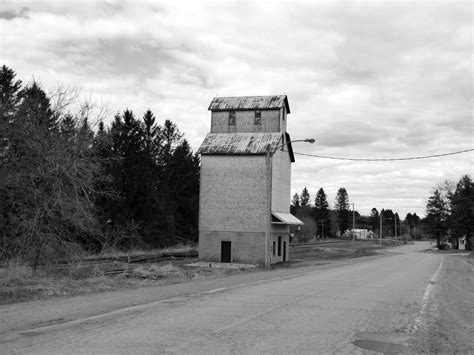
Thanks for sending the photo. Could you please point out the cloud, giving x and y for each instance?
(366, 79)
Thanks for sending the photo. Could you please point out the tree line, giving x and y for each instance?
(69, 182)
(322, 222)
(449, 216)
(450, 213)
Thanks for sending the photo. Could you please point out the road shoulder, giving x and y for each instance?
(449, 324)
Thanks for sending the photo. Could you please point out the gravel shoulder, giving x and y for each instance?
(450, 318)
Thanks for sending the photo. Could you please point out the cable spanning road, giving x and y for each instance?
(365, 305)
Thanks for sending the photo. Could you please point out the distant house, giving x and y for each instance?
(245, 181)
(361, 233)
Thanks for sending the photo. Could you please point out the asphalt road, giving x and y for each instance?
(367, 305)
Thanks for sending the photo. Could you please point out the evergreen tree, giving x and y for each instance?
(295, 203)
(35, 108)
(462, 217)
(436, 216)
(341, 205)
(374, 219)
(11, 92)
(321, 207)
(304, 198)
(185, 186)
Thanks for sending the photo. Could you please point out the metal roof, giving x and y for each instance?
(239, 143)
(286, 218)
(243, 143)
(249, 103)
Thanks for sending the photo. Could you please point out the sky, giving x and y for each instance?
(365, 79)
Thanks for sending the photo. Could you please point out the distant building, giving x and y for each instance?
(245, 181)
(361, 233)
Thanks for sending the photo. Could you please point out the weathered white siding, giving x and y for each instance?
(281, 181)
(244, 121)
(232, 194)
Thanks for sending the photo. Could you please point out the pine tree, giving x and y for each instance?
(374, 219)
(35, 108)
(185, 188)
(11, 92)
(462, 217)
(304, 198)
(295, 204)
(321, 207)
(436, 216)
(341, 205)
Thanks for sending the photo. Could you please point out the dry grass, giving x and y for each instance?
(115, 253)
(342, 250)
(18, 282)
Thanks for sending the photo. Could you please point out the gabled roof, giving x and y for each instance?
(237, 103)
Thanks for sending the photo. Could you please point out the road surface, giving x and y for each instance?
(362, 306)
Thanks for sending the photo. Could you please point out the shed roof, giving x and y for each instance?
(285, 218)
(243, 143)
(249, 103)
(239, 143)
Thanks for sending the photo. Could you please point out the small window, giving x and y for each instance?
(232, 118)
(258, 118)
(274, 248)
(279, 245)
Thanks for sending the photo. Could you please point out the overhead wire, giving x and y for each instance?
(386, 159)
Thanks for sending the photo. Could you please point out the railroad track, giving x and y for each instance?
(119, 264)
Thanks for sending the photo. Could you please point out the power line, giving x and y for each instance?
(386, 159)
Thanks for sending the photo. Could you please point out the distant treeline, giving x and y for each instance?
(449, 216)
(68, 182)
(322, 222)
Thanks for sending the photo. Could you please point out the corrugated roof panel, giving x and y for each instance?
(249, 103)
(239, 143)
(286, 218)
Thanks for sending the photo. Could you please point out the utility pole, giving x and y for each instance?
(380, 234)
(407, 228)
(268, 207)
(353, 222)
(395, 218)
(322, 227)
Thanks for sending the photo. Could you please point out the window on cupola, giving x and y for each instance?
(258, 118)
(231, 118)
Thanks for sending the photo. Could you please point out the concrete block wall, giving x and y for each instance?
(247, 248)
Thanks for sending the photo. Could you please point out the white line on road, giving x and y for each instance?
(216, 290)
(419, 320)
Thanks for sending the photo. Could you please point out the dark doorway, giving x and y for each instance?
(226, 252)
(284, 251)
(279, 246)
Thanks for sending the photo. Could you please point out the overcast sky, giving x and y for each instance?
(366, 79)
